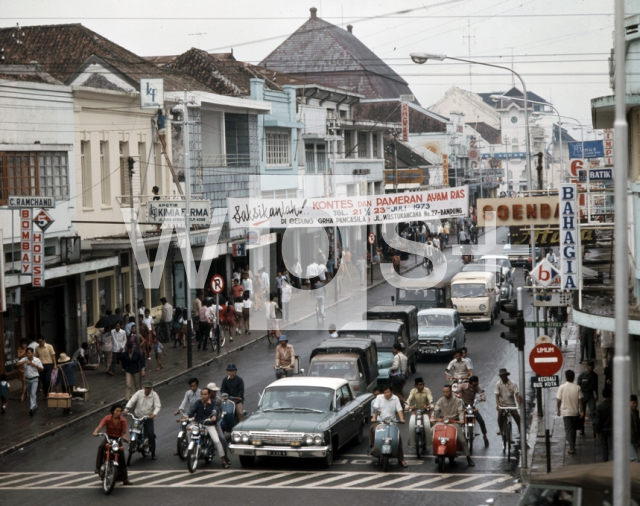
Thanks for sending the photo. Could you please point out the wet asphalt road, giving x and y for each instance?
(60, 468)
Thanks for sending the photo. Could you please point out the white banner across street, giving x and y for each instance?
(390, 208)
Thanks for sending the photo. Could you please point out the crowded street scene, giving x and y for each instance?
(335, 252)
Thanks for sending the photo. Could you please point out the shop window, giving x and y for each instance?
(85, 170)
(105, 174)
(105, 294)
(53, 168)
(237, 139)
(363, 145)
(125, 183)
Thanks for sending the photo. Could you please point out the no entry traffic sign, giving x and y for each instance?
(217, 284)
(545, 359)
(371, 238)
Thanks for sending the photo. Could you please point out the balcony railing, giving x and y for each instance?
(219, 160)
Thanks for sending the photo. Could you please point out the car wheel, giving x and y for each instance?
(328, 459)
(247, 460)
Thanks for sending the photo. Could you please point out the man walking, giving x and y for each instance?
(233, 386)
(587, 337)
(167, 316)
(33, 366)
(47, 356)
(604, 424)
(398, 372)
(570, 407)
(588, 383)
(146, 402)
(134, 367)
(119, 337)
(606, 345)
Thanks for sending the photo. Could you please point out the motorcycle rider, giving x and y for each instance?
(207, 409)
(467, 392)
(146, 402)
(463, 350)
(116, 426)
(285, 357)
(387, 405)
(458, 367)
(213, 393)
(452, 408)
(419, 398)
(191, 396)
(233, 386)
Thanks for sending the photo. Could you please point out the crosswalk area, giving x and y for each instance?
(356, 480)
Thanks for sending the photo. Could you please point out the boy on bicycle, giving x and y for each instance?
(506, 395)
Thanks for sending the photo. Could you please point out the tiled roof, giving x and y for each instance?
(565, 135)
(488, 133)
(161, 61)
(62, 49)
(407, 156)
(27, 73)
(388, 111)
(326, 54)
(513, 92)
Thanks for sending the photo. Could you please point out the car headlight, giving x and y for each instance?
(318, 439)
(482, 307)
(245, 438)
(446, 338)
(308, 439)
(237, 437)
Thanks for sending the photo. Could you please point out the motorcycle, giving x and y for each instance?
(386, 442)
(445, 442)
(108, 469)
(467, 257)
(183, 436)
(229, 417)
(454, 380)
(139, 440)
(419, 431)
(468, 428)
(200, 444)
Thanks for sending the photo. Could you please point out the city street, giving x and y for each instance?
(61, 466)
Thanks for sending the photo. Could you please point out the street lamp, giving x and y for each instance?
(421, 58)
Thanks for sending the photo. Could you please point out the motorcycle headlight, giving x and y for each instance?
(136, 424)
(308, 439)
(443, 440)
(388, 420)
(245, 438)
(115, 447)
(419, 423)
(318, 439)
(236, 437)
(195, 431)
(482, 307)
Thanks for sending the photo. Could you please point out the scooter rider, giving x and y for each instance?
(213, 393)
(458, 367)
(207, 409)
(285, 358)
(233, 386)
(387, 405)
(452, 408)
(467, 392)
(419, 398)
(146, 402)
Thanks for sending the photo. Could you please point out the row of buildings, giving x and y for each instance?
(316, 118)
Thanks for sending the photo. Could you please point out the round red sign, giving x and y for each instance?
(545, 359)
(217, 283)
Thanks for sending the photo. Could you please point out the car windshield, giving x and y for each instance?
(297, 398)
(337, 369)
(426, 295)
(435, 320)
(383, 340)
(464, 290)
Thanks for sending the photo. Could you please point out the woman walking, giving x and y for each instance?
(22, 352)
(246, 313)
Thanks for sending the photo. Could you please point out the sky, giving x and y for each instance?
(560, 49)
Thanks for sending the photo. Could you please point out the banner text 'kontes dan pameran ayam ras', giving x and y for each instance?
(374, 209)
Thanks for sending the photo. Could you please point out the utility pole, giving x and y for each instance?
(539, 169)
(134, 228)
(395, 161)
(187, 223)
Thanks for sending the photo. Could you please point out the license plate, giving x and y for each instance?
(274, 453)
(430, 351)
(135, 431)
(386, 449)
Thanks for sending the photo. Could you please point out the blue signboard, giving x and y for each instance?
(596, 174)
(592, 149)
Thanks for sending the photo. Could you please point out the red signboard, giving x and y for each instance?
(217, 284)
(545, 359)
(405, 121)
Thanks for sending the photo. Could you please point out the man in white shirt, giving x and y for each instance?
(32, 368)
(312, 271)
(167, 316)
(570, 407)
(322, 269)
(146, 402)
(119, 338)
(266, 284)
(507, 395)
(459, 367)
(387, 405)
(247, 284)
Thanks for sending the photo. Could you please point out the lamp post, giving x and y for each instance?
(421, 58)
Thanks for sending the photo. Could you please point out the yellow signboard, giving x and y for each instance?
(519, 211)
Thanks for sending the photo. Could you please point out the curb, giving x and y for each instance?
(52, 432)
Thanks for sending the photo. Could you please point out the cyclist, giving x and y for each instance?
(285, 358)
(507, 394)
(319, 293)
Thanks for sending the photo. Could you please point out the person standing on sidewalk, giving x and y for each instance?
(47, 356)
(32, 367)
(204, 325)
(604, 424)
(588, 383)
(134, 367)
(286, 299)
(361, 265)
(570, 407)
(119, 337)
(635, 428)
(587, 338)
(606, 345)
(167, 315)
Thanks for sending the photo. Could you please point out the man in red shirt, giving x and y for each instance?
(116, 426)
(228, 318)
(236, 290)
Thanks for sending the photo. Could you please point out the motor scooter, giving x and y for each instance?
(386, 442)
(200, 444)
(139, 440)
(183, 435)
(419, 431)
(445, 442)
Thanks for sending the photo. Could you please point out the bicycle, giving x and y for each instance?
(216, 339)
(94, 352)
(506, 429)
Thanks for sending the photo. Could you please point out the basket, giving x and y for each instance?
(55, 400)
(91, 367)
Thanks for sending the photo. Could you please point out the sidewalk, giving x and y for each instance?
(18, 429)
(587, 448)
